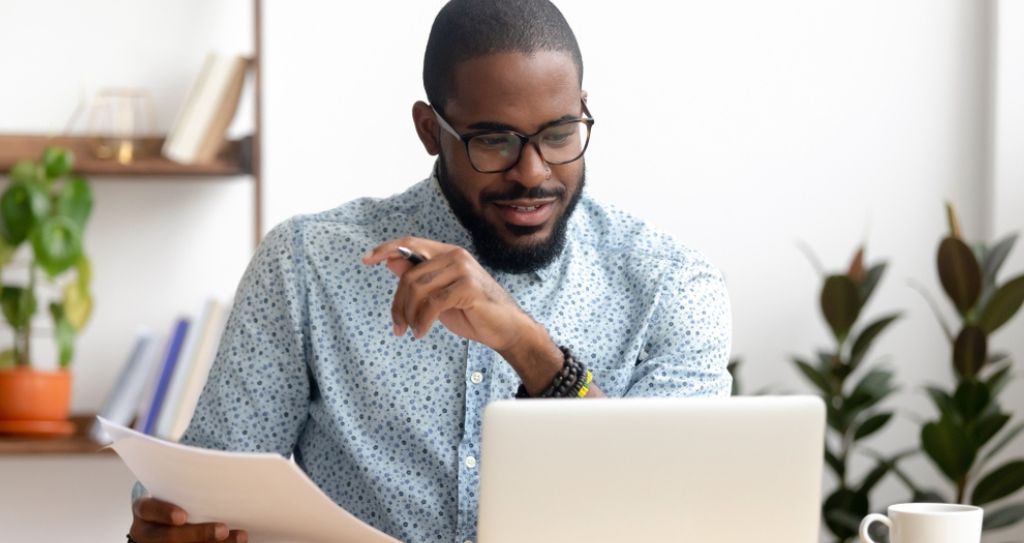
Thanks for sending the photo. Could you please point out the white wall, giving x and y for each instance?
(748, 124)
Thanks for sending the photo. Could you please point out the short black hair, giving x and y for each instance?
(467, 29)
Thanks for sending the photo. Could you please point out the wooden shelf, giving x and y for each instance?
(235, 159)
(78, 443)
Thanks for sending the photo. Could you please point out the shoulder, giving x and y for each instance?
(348, 226)
(613, 235)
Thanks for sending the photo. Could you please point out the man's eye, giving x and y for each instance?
(492, 141)
(556, 138)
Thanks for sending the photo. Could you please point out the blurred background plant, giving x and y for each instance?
(852, 392)
(972, 427)
(45, 208)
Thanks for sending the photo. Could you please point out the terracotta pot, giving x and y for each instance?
(31, 395)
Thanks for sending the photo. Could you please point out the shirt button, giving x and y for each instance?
(468, 541)
(470, 462)
(476, 378)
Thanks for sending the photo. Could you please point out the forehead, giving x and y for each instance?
(518, 89)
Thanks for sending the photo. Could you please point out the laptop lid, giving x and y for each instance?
(722, 470)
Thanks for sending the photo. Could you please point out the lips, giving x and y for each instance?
(526, 212)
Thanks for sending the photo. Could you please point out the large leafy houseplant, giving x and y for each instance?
(972, 427)
(852, 392)
(43, 214)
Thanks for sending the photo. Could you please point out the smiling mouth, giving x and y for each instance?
(530, 213)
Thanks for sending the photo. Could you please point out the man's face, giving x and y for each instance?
(517, 218)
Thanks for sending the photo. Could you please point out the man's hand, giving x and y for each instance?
(157, 521)
(452, 287)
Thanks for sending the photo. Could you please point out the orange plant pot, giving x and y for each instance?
(37, 396)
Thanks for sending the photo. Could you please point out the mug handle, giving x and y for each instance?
(864, 524)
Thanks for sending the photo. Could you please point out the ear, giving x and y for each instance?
(426, 127)
(583, 95)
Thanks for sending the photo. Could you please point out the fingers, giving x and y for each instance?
(416, 285)
(158, 511)
(150, 532)
(389, 250)
(436, 302)
(157, 521)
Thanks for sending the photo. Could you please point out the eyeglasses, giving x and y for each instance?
(496, 151)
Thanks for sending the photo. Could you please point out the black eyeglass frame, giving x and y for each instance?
(524, 139)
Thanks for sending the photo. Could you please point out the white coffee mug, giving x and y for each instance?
(928, 523)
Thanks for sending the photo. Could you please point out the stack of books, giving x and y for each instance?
(159, 386)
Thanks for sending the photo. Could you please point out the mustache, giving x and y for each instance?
(522, 193)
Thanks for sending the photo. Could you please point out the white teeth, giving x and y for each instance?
(524, 209)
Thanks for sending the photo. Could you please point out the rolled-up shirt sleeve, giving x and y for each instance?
(687, 345)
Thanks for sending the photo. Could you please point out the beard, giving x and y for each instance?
(491, 248)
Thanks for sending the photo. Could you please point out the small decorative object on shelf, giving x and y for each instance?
(121, 123)
(43, 214)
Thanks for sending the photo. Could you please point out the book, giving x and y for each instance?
(163, 381)
(199, 130)
(204, 356)
(182, 371)
(121, 404)
(191, 372)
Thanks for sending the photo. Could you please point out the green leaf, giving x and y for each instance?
(871, 389)
(843, 510)
(943, 402)
(817, 379)
(999, 483)
(25, 171)
(867, 288)
(959, 273)
(732, 368)
(987, 427)
(19, 304)
(78, 306)
(22, 205)
(1003, 305)
(8, 359)
(63, 333)
(871, 425)
(994, 258)
(58, 244)
(969, 351)
(872, 478)
(835, 463)
(6, 252)
(949, 447)
(998, 379)
(57, 161)
(928, 496)
(840, 303)
(1007, 438)
(74, 201)
(84, 267)
(864, 340)
(1001, 518)
(971, 398)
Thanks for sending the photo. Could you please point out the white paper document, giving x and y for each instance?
(262, 493)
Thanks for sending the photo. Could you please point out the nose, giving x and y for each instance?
(531, 171)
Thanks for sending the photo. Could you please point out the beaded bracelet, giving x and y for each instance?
(572, 381)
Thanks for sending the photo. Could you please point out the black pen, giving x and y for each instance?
(411, 255)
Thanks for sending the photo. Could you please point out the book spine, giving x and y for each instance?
(170, 360)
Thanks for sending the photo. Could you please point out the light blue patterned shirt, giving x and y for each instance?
(389, 427)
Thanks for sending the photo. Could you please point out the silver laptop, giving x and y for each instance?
(727, 470)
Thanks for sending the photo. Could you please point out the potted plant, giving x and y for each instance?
(852, 391)
(43, 214)
(972, 426)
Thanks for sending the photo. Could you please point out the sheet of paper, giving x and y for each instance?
(260, 492)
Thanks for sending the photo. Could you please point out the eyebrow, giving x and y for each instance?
(492, 125)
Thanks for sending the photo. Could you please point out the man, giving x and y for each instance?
(538, 289)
